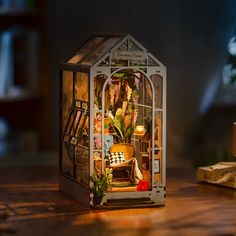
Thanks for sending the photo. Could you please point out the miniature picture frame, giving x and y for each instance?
(156, 166)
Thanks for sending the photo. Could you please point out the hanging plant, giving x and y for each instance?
(126, 107)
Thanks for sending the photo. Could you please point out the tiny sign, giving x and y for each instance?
(129, 55)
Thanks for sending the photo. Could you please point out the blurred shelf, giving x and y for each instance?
(24, 29)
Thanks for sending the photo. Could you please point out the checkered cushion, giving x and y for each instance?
(116, 158)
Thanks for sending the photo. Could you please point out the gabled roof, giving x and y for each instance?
(104, 49)
(93, 49)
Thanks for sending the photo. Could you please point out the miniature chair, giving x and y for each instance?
(124, 171)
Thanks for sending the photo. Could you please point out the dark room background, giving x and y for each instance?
(189, 37)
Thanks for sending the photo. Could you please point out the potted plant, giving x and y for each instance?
(101, 183)
(121, 124)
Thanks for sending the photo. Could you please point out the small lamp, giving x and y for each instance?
(234, 139)
(139, 130)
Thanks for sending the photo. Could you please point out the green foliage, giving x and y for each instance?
(119, 75)
(128, 133)
(101, 183)
(118, 124)
(123, 134)
(135, 93)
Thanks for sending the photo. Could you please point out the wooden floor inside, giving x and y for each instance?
(35, 206)
(124, 189)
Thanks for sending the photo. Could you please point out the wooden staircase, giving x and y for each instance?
(129, 203)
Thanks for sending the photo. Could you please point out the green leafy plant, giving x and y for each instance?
(122, 125)
(101, 183)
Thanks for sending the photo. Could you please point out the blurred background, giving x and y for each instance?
(195, 40)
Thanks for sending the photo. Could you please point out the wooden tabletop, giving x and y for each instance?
(30, 195)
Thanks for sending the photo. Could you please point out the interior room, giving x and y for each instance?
(139, 95)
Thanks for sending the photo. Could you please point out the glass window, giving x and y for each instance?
(158, 129)
(157, 81)
(84, 50)
(157, 147)
(81, 86)
(99, 81)
(100, 51)
(75, 130)
(151, 62)
(67, 98)
(82, 165)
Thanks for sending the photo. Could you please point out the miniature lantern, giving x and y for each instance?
(110, 88)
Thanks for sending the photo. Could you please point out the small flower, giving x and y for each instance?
(128, 91)
(111, 115)
(127, 121)
(112, 95)
(124, 107)
(119, 112)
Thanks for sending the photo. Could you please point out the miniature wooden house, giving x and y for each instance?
(113, 115)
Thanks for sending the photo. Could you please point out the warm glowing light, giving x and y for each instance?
(139, 130)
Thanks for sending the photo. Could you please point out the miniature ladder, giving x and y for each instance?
(129, 203)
